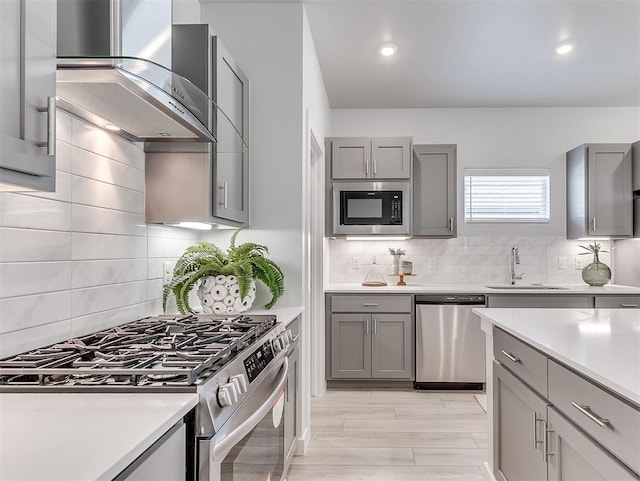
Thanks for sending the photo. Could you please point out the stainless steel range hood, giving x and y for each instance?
(137, 98)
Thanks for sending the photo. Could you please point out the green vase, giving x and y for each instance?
(596, 274)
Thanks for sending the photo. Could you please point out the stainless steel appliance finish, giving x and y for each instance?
(114, 61)
(237, 365)
(382, 213)
(450, 346)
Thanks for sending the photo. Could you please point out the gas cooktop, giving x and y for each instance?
(156, 351)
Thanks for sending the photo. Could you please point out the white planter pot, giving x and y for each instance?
(221, 295)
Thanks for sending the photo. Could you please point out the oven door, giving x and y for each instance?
(250, 445)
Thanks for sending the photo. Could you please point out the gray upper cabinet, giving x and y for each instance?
(599, 191)
(231, 170)
(371, 158)
(434, 191)
(28, 84)
(636, 166)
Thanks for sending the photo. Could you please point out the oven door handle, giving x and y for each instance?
(225, 441)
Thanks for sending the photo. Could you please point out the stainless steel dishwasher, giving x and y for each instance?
(449, 342)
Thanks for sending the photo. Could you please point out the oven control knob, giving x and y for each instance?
(227, 394)
(284, 340)
(289, 335)
(241, 383)
(277, 345)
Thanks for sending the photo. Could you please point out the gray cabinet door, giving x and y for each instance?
(391, 346)
(574, 456)
(351, 346)
(290, 406)
(518, 426)
(350, 158)
(230, 170)
(434, 191)
(391, 158)
(27, 125)
(610, 190)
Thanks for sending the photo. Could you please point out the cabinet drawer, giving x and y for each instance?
(614, 302)
(521, 359)
(540, 300)
(588, 406)
(381, 303)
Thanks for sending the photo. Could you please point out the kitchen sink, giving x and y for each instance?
(527, 286)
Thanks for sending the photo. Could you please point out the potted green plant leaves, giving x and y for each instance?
(227, 278)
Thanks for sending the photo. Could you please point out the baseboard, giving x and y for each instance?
(487, 472)
(303, 443)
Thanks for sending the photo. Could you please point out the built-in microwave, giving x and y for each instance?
(371, 208)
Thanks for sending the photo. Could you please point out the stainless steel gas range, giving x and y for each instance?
(238, 366)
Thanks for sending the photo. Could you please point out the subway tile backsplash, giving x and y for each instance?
(81, 258)
(465, 260)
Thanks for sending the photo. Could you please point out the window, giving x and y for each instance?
(506, 195)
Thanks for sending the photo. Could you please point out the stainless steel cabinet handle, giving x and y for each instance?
(545, 442)
(510, 356)
(375, 327)
(586, 410)
(629, 305)
(50, 109)
(535, 431)
(451, 224)
(366, 166)
(374, 166)
(225, 197)
(370, 304)
(594, 224)
(367, 327)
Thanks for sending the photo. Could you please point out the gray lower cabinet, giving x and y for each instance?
(599, 191)
(290, 421)
(573, 456)
(570, 430)
(519, 415)
(617, 302)
(28, 83)
(434, 190)
(371, 346)
(539, 300)
(370, 158)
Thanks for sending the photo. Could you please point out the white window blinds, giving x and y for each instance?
(506, 195)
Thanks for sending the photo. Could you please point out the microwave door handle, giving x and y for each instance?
(225, 441)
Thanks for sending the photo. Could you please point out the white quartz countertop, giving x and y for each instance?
(602, 344)
(78, 436)
(283, 314)
(480, 289)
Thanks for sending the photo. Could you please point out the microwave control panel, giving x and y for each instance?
(396, 207)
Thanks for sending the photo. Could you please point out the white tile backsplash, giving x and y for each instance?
(77, 260)
(464, 260)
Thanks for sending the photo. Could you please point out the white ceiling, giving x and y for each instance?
(477, 53)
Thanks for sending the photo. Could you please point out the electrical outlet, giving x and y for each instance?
(355, 262)
(581, 262)
(562, 263)
(432, 263)
(167, 270)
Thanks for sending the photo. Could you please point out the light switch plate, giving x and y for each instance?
(581, 262)
(355, 262)
(562, 263)
(432, 262)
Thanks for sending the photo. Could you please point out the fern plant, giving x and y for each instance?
(246, 261)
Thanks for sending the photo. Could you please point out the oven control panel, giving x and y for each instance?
(257, 361)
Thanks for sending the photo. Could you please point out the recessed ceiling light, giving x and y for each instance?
(388, 49)
(112, 127)
(564, 48)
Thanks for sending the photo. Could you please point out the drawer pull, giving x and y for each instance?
(630, 305)
(586, 410)
(511, 357)
(370, 304)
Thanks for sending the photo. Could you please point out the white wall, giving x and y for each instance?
(82, 258)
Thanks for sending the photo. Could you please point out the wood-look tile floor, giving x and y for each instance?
(384, 435)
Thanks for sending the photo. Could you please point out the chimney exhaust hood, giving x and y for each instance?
(103, 78)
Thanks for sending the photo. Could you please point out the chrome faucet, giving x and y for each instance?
(515, 259)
